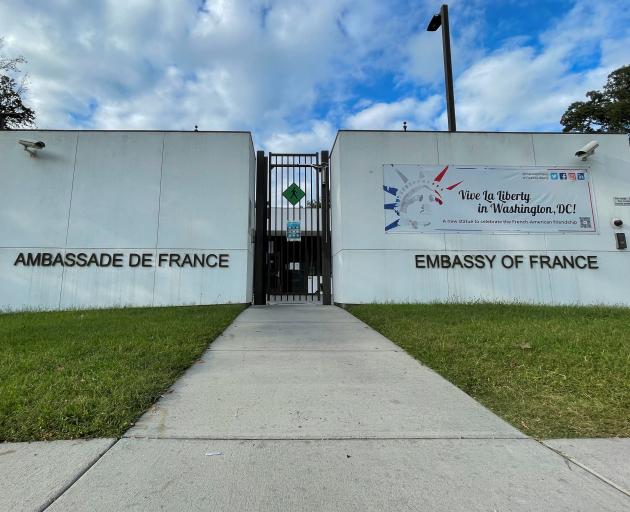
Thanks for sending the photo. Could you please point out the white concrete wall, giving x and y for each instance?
(153, 192)
(372, 266)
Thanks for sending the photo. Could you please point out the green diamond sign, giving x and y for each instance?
(294, 194)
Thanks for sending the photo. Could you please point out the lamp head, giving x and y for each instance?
(435, 23)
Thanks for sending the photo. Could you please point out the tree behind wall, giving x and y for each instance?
(13, 112)
(607, 110)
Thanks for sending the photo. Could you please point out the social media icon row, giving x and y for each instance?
(571, 176)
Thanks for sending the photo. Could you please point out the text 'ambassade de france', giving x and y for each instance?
(119, 260)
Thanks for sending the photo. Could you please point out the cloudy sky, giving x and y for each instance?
(295, 71)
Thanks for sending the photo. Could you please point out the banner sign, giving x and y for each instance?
(434, 198)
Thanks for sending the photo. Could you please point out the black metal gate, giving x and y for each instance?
(292, 257)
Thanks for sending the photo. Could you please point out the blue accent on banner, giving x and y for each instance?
(392, 225)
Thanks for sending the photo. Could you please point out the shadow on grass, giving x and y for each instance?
(552, 372)
(92, 373)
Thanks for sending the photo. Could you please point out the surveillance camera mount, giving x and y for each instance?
(32, 147)
(587, 150)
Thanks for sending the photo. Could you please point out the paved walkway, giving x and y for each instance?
(307, 408)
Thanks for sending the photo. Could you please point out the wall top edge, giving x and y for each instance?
(34, 130)
(479, 132)
(463, 132)
(26, 131)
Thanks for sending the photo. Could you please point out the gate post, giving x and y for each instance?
(260, 247)
(326, 243)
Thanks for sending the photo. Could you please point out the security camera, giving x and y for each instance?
(32, 147)
(587, 150)
(617, 223)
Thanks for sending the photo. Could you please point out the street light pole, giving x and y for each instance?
(448, 69)
(438, 20)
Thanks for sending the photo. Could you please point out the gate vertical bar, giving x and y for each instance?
(311, 246)
(260, 247)
(318, 244)
(284, 252)
(326, 245)
(271, 247)
(292, 245)
(299, 248)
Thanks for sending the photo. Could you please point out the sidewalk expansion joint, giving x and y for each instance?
(273, 322)
(47, 505)
(587, 469)
(332, 438)
(331, 350)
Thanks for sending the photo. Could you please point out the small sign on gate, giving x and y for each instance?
(293, 231)
(293, 194)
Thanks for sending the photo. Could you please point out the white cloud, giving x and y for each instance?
(287, 69)
(525, 88)
(259, 65)
(318, 136)
(419, 115)
(422, 57)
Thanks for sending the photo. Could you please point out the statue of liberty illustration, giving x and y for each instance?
(416, 198)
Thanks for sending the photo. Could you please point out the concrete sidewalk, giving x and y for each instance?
(33, 475)
(307, 408)
(607, 458)
(304, 372)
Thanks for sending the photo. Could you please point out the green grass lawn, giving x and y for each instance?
(549, 371)
(65, 375)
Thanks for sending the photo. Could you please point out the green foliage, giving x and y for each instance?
(550, 371)
(607, 110)
(13, 112)
(72, 374)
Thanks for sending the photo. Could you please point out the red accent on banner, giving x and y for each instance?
(439, 177)
(453, 186)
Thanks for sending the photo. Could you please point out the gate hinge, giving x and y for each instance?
(320, 168)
